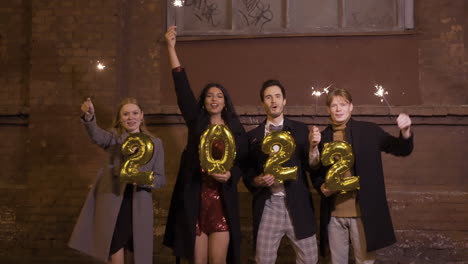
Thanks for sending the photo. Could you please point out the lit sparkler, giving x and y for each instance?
(100, 66)
(318, 93)
(177, 3)
(381, 93)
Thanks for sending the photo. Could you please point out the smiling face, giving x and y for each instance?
(214, 101)
(131, 117)
(273, 101)
(340, 109)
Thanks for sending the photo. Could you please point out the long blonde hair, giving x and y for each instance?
(117, 127)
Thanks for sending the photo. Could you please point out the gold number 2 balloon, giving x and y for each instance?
(212, 134)
(138, 150)
(286, 144)
(340, 154)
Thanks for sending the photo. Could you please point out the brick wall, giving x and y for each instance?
(49, 50)
(14, 53)
(14, 63)
(442, 51)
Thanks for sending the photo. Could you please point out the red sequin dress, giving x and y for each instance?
(211, 216)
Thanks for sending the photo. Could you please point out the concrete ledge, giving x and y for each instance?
(367, 110)
(249, 110)
(449, 115)
(445, 115)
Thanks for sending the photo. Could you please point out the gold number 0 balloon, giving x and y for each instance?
(138, 150)
(340, 154)
(286, 144)
(207, 162)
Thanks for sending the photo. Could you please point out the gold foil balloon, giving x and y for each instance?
(138, 150)
(217, 136)
(286, 144)
(340, 154)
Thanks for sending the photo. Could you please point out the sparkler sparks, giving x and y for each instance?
(318, 93)
(381, 93)
(178, 3)
(100, 66)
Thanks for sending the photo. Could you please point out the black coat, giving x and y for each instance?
(368, 140)
(185, 202)
(298, 196)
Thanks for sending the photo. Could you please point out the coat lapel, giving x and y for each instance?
(288, 126)
(258, 133)
(327, 135)
(351, 135)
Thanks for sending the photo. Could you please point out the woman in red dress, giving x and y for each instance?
(203, 222)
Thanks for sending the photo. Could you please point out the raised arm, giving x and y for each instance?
(171, 35)
(398, 146)
(98, 135)
(185, 97)
(87, 109)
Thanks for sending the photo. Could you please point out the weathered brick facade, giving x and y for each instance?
(49, 50)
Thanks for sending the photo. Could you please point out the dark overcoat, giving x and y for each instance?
(185, 203)
(94, 228)
(368, 140)
(298, 196)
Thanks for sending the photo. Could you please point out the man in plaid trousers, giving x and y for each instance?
(281, 208)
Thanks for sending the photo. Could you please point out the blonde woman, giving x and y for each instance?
(116, 221)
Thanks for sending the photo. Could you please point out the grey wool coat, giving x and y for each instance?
(94, 229)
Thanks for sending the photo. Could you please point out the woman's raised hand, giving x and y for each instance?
(88, 109)
(171, 36)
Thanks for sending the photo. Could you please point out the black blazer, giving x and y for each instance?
(298, 196)
(368, 140)
(185, 202)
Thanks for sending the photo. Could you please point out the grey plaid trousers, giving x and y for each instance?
(276, 223)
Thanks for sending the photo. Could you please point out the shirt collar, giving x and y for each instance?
(268, 123)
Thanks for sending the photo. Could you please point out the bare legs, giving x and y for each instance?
(117, 257)
(212, 248)
(120, 257)
(201, 249)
